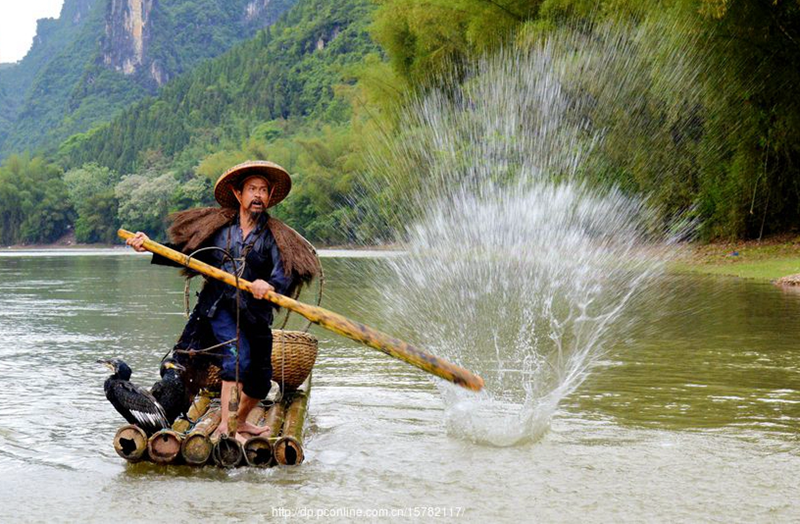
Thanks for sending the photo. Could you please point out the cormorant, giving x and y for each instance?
(170, 391)
(134, 403)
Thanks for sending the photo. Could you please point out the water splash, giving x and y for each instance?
(518, 262)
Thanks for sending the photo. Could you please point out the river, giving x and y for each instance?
(691, 415)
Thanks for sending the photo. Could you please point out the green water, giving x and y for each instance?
(692, 414)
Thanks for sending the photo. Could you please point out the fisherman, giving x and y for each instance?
(240, 238)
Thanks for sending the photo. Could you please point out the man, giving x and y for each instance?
(241, 238)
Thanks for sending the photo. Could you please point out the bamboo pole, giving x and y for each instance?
(333, 321)
(197, 447)
(273, 419)
(228, 452)
(130, 443)
(256, 415)
(165, 446)
(258, 449)
(288, 449)
(198, 408)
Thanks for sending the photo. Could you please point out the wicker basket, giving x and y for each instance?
(293, 356)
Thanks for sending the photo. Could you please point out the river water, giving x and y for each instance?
(692, 414)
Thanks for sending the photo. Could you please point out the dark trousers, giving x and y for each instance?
(255, 352)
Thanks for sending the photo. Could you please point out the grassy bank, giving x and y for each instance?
(766, 260)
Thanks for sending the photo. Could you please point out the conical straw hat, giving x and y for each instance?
(279, 182)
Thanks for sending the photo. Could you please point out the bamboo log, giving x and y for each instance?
(258, 449)
(130, 443)
(181, 425)
(256, 415)
(273, 419)
(228, 452)
(197, 447)
(333, 321)
(165, 446)
(198, 408)
(258, 452)
(288, 449)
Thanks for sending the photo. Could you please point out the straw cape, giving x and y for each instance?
(280, 183)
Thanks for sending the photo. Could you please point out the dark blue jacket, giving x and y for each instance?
(262, 261)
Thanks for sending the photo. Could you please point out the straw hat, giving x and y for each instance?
(279, 182)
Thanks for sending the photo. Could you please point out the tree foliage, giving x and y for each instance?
(65, 85)
(287, 71)
(91, 189)
(310, 92)
(144, 202)
(726, 145)
(34, 206)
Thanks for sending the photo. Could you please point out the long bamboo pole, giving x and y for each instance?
(333, 321)
(288, 449)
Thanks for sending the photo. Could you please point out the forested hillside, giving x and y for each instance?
(738, 144)
(311, 91)
(100, 56)
(287, 71)
(52, 37)
(271, 97)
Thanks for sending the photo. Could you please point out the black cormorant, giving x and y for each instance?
(134, 403)
(170, 391)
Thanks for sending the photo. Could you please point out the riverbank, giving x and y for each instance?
(768, 260)
(67, 242)
(50, 250)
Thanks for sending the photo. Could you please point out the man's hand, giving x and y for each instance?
(137, 241)
(259, 288)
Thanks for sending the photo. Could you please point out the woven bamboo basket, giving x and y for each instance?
(293, 356)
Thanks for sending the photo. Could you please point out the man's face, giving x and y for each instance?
(254, 194)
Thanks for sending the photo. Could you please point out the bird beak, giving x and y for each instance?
(106, 363)
(174, 365)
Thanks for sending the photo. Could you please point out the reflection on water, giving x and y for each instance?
(702, 399)
(723, 354)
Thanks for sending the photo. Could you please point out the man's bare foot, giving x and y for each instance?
(246, 427)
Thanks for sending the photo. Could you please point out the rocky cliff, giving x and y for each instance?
(127, 30)
(156, 40)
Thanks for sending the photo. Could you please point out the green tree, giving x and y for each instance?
(34, 206)
(144, 202)
(91, 189)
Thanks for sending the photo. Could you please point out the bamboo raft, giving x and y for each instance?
(189, 441)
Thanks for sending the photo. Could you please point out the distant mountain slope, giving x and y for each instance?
(288, 70)
(52, 37)
(100, 56)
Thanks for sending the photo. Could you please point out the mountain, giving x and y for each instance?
(288, 70)
(52, 37)
(100, 56)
